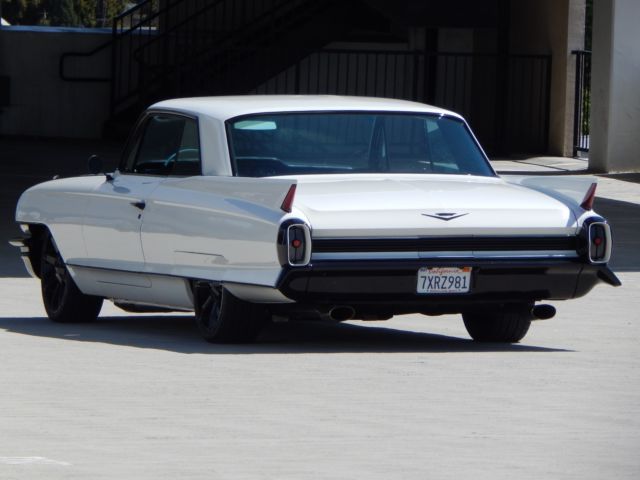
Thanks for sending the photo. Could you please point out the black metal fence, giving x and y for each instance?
(505, 99)
(173, 48)
(582, 101)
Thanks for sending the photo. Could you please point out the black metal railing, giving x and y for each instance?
(212, 47)
(582, 102)
(155, 44)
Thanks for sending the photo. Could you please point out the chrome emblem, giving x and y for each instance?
(445, 216)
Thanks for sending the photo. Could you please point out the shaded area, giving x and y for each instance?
(624, 218)
(625, 177)
(25, 162)
(178, 334)
(540, 165)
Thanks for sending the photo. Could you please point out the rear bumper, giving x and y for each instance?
(394, 282)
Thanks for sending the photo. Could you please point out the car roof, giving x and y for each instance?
(226, 107)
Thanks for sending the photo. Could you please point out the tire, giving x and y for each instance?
(62, 299)
(507, 325)
(223, 318)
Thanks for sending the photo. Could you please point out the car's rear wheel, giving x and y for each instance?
(62, 299)
(505, 325)
(223, 318)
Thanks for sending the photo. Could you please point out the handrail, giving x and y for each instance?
(255, 21)
(65, 55)
(174, 27)
(222, 41)
(147, 19)
(63, 58)
(134, 8)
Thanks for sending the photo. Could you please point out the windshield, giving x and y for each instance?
(354, 142)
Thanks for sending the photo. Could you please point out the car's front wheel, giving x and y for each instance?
(62, 299)
(505, 325)
(223, 318)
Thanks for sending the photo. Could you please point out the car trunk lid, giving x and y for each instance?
(427, 205)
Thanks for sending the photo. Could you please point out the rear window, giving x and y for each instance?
(353, 142)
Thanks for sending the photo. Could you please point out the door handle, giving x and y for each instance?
(140, 204)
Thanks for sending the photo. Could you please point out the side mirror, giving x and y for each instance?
(94, 164)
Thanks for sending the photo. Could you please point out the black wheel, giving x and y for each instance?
(60, 295)
(505, 325)
(223, 318)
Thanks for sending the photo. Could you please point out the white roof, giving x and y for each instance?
(224, 108)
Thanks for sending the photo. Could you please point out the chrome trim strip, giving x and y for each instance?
(445, 255)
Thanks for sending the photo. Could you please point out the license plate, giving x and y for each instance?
(444, 280)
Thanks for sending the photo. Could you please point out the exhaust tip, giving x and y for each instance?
(543, 312)
(342, 313)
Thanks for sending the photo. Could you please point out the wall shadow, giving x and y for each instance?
(26, 162)
(625, 177)
(624, 218)
(178, 334)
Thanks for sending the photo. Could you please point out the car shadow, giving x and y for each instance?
(178, 334)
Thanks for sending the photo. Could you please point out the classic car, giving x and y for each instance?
(254, 208)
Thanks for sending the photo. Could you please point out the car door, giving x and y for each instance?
(113, 222)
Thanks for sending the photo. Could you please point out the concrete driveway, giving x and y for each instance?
(143, 397)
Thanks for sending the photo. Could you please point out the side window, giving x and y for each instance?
(168, 145)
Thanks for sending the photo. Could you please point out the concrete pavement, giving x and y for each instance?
(143, 397)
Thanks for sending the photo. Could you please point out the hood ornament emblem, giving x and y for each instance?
(445, 216)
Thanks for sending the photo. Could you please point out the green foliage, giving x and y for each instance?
(68, 13)
(115, 7)
(588, 27)
(63, 13)
(586, 110)
(22, 12)
(108, 9)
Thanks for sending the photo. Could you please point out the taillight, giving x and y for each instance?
(287, 203)
(298, 245)
(599, 238)
(589, 197)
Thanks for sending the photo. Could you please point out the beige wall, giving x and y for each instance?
(41, 104)
(555, 27)
(615, 87)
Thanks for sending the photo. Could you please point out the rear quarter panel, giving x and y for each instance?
(216, 228)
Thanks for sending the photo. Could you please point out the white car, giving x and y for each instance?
(256, 207)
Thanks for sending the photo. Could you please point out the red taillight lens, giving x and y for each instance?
(299, 249)
(599, 242)
(589, 198)
(287, 203)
